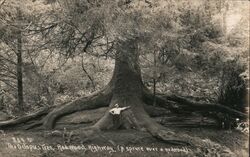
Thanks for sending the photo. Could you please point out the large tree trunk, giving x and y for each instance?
(127, 85)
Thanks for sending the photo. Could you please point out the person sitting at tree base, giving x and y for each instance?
(116, 112)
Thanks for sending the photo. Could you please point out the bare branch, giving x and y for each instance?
(90, 78)
(6, 59)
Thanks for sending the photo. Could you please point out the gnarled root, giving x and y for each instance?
(157, 130)
(47, 116)
(177, 103)
(24, 119)
(168, 136)
(96, 100)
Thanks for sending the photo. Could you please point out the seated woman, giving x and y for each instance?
(116, 112)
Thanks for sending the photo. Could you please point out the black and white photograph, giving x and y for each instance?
(124, 78)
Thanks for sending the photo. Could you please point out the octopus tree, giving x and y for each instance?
(130, 25)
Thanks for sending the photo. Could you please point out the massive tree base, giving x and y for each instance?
(136, 117)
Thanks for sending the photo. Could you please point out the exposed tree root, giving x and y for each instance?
(33, 125)
(24, 119)
(157, 130)
(178, 103)
(137, 118)
(199, 106)
(96, 100)
(134, 118)
(155, 111)
(149, 98)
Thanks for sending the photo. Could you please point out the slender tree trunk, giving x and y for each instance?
(19, 68)
(154, 79)
(223, 8)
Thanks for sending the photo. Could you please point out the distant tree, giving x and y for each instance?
(19, 29)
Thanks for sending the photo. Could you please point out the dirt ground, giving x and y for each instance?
(124, 143)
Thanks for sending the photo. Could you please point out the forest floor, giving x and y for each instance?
(122, 143)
